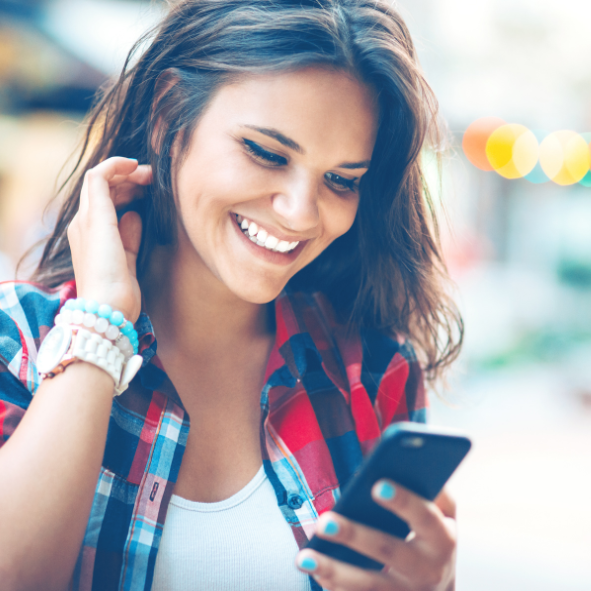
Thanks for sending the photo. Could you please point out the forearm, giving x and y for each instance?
(49, 469)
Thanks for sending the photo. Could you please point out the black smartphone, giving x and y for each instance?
(419, 457)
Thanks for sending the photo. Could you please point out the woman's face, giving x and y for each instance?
(271, 176)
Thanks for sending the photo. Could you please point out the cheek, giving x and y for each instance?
(340, 216)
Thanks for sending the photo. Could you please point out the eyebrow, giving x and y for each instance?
(277, 135)
(293, 145)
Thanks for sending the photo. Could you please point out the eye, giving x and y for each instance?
(259, 153)
(341, 184)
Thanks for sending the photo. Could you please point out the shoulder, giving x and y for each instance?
(27, 311)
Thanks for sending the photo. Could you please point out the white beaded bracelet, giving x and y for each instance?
(93, 348)
(99, 325)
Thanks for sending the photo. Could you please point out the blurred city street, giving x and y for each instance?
(518, 249)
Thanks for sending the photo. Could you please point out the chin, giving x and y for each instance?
(258, 293)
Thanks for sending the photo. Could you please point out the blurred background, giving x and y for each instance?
(519, 251)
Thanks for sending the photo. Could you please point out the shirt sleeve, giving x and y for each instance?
(27, 312)
(15, 397)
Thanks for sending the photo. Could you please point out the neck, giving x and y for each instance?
(194, 312)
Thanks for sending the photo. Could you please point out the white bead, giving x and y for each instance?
(125, 346)
(67, 316)
(58, 319)
(101, 352)
(91, 357)
(79, 352)
(101, 362)
(112, 332)
(111, 356)
(91, 345)
(77, 316)
(101, 325)
(97, 338)
(89, 320)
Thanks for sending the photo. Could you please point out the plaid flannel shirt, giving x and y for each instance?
(326, 400)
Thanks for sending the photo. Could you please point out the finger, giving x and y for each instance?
(393, 552)
(333, 574)
(100, 177)
(96, 183)
(130, 228)
(142, 175)
(422, 516)
(446, 504)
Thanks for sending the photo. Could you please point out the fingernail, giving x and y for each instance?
(309, 564)
(385, 491)
(331, 528)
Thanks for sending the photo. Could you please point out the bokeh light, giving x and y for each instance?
(512, 150)
(565, 157)
(475, 139)
(586, 180)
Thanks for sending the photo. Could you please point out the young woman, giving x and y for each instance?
(277, 240)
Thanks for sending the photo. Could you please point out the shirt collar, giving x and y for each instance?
(303, 339)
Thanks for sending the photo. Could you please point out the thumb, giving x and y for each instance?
(130, 228)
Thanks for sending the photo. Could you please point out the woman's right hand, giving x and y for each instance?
(104, 252)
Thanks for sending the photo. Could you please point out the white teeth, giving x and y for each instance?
(263, 238)
(271, 242)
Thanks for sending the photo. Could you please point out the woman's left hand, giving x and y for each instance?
(425, 561)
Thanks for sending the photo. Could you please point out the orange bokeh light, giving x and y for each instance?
(475, 139)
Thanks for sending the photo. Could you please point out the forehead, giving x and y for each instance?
(318, 108)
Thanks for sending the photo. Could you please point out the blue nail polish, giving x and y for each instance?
(308, 564)
(386, 491)
(331, 528)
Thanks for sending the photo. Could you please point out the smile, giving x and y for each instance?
(263, 238)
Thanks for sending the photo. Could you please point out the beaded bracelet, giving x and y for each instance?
(103, 319)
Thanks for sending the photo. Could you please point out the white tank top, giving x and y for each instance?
(240, 544)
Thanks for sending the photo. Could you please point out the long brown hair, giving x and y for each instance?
(387, 272)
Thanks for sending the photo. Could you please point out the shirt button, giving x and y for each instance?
(294, 501)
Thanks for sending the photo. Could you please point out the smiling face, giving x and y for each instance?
(270, 177)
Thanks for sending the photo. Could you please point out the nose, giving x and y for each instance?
(297, 204)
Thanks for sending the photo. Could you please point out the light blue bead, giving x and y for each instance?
(117, 318)
(126, 328)
(69, 305)
(91, 307)
(79, 304)
(105, 311)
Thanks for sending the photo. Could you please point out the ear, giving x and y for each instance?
(164, 86)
